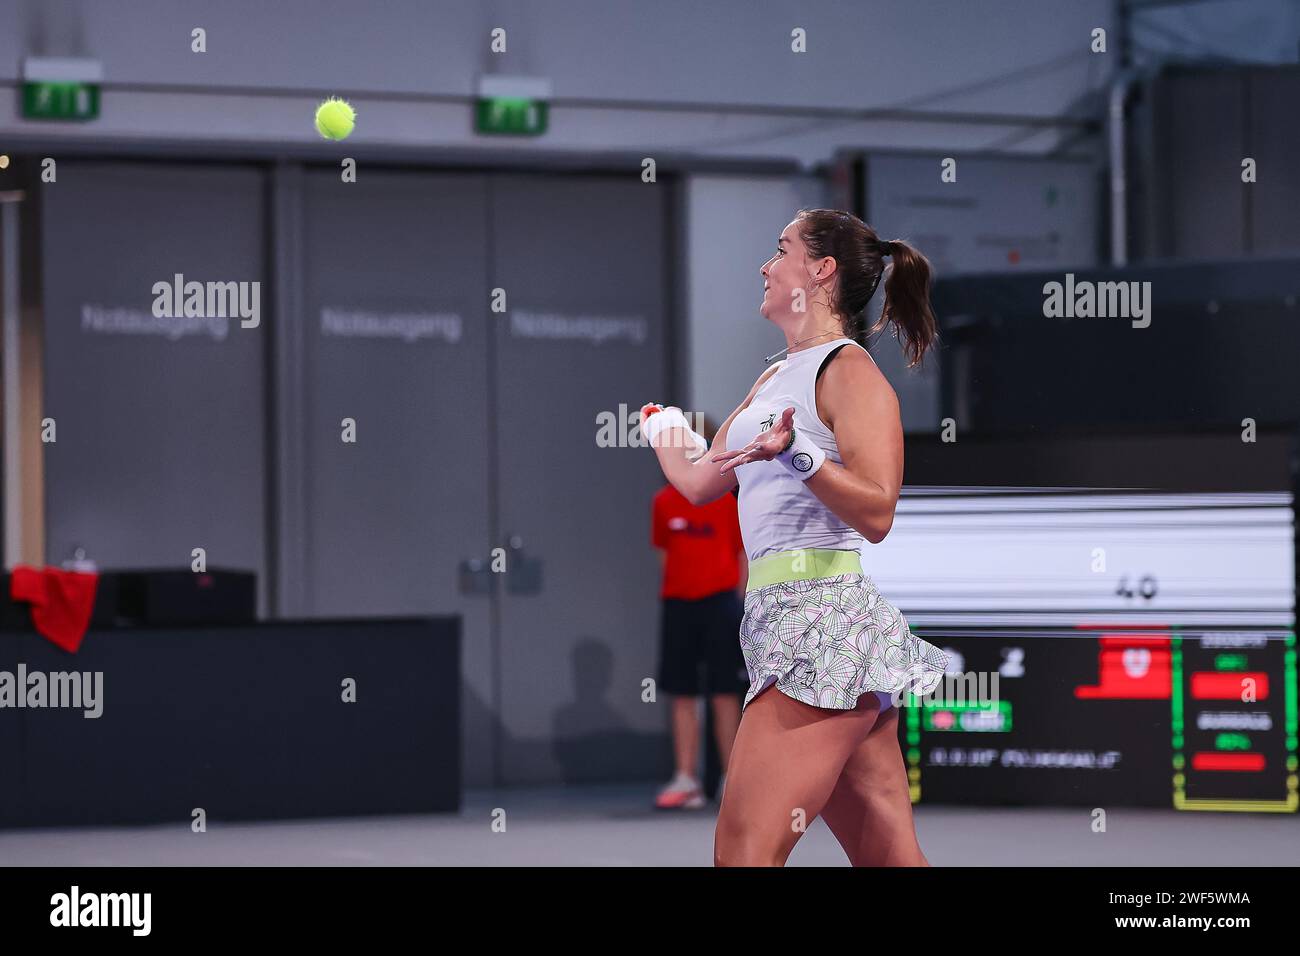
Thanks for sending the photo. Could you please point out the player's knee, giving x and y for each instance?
(735, 844)
(746, 853)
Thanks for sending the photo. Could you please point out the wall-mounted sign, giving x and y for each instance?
(61, 88)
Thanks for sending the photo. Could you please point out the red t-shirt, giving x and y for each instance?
(702, 541)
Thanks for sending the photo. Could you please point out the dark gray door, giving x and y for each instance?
(159, 421)
(395, 339)
(581, 260)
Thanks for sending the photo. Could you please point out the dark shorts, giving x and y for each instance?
(699, 647)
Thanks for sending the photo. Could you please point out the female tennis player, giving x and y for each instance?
(817, 450)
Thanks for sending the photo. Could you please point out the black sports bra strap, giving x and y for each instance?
(827, 360)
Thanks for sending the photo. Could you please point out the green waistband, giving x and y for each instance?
(801, 565)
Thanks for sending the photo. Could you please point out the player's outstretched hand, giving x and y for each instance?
(764, 447)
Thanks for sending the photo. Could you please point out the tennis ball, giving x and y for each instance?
(335, 118)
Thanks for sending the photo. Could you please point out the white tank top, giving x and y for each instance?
(777, 511)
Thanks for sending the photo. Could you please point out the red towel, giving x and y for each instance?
(61, 601)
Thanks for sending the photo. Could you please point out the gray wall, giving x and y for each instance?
(269, 63)
(731, 224)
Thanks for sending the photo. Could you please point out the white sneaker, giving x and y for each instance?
(682, 793)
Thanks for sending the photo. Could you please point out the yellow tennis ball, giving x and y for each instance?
(335, 118)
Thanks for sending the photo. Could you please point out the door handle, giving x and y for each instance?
(523, 573)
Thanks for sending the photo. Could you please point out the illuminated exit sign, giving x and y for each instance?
(64, 101)
(61, 88)
(510, 116)
(512, 105)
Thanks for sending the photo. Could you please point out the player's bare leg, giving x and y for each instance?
(870, 807)
(787, 758)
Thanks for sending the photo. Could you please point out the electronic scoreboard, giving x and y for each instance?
(1129, 646)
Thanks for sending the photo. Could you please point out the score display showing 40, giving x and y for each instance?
(1146, 587)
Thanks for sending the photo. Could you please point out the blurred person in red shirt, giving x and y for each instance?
(705, 569)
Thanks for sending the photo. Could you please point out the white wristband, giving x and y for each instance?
(802, 458)
(672, 417)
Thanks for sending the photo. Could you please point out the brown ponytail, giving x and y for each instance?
(859, 256)
(907, 302)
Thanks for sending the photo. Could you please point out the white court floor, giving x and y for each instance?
(614, 826)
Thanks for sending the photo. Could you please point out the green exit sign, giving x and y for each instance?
(60, 101)
(510, 115)
(61, 88)
(512, 105)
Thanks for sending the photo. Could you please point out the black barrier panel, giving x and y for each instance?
(243, 722)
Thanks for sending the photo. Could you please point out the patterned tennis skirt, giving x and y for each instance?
(826, 641)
